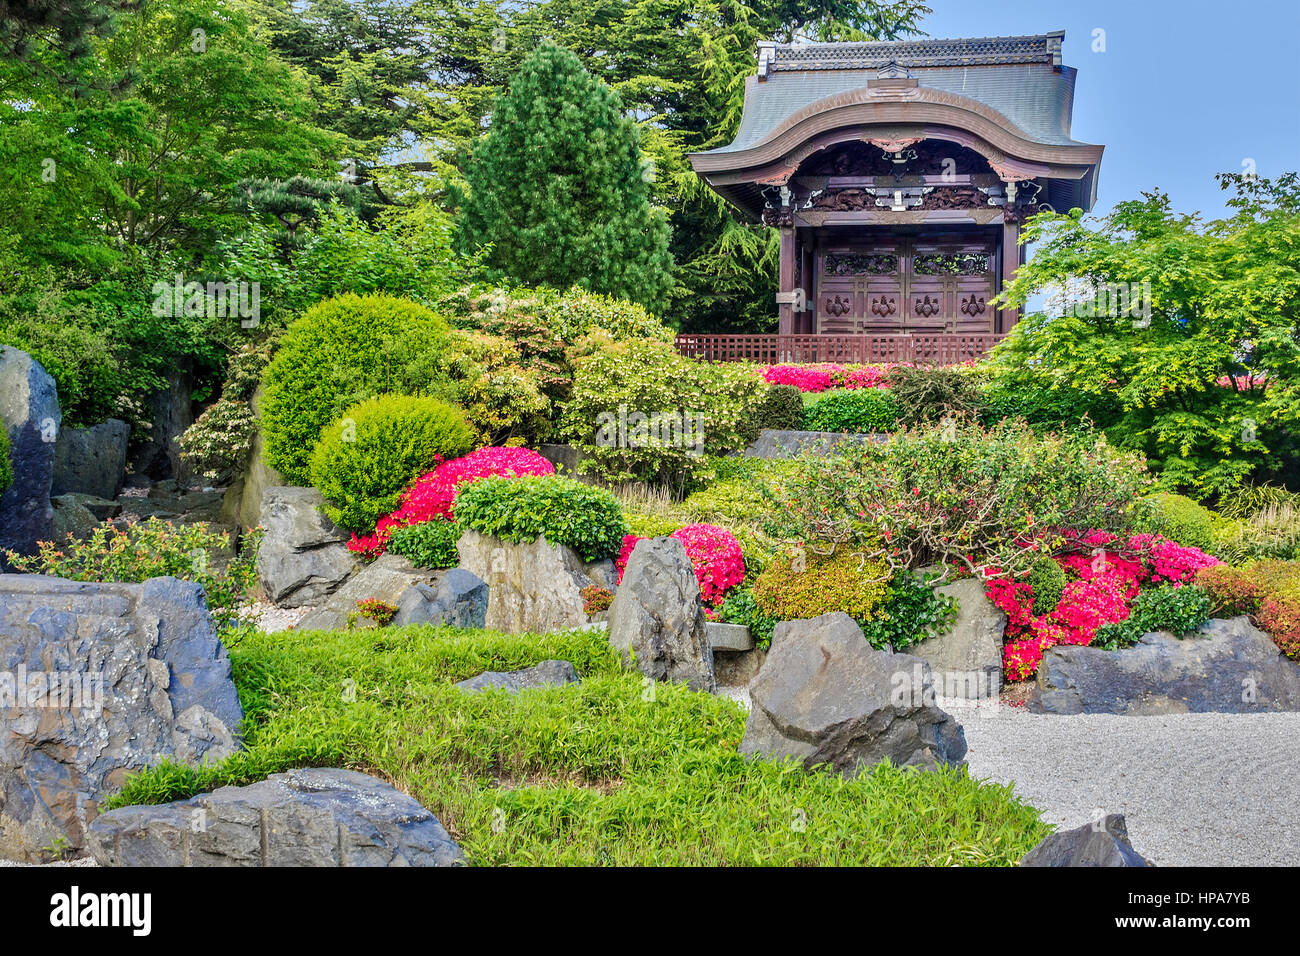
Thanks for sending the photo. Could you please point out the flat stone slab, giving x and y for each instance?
(307, 817)
(546, 674)
(729, 637)
(776, 443)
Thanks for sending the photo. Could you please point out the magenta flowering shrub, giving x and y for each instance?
(819, 378)
(1109, 573)
(715, 556)
(434, 493)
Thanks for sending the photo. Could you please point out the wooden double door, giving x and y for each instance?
(919, 284)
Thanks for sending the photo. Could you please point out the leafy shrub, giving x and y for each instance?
(862, 410)
(639, 411)
(502, 397)
(565, 511)
(929, 393)
(912, 611)
(738, 506)
(959, 495)
(1180, 519)
(793, 589)
(340, 352)
(218, 443)
(1006, 397)
(152, 549)
(715, 555)
(596, 599)
(741, 608)
(1269, 591)
(6, 469)
(1046, 581)
(365, 459)
(1177, 608)
(429, 544)
(782, 409)
(374, 609)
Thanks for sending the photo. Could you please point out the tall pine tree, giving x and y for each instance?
(559, 190)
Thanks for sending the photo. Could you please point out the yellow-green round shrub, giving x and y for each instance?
(365, 458)
(342, 351)
(791, 590)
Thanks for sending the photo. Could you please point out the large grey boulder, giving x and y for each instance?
(533, 587)
(303, 556)
(71, 517)
(91, 461)
(825, 696)
(657, 618)
(101, 679)
(1104, 843)
(307, 817)
(29, 413)
(966, 660)
(457, 598)
(546, 674)
(1227, 666)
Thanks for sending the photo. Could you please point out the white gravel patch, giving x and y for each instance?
(83, 861)
(269, 618)
(1195, 789)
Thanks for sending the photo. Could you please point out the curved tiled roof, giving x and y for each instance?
(1020, 78)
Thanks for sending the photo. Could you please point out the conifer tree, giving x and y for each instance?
(559, 191)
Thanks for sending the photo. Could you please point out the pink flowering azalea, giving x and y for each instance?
(433, 494)
(715, 556)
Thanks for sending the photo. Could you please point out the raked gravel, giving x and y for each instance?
(1195, 789)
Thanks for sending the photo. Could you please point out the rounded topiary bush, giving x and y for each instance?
(1181, 519)
(341, 351)
(1047, 581)
(858, 410)
(782, 409)
(562, 510)
(365, 458)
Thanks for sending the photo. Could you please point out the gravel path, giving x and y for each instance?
(1195, 789)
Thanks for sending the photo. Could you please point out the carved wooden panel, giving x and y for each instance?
(921, 284)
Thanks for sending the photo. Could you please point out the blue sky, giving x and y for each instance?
(1182, 91)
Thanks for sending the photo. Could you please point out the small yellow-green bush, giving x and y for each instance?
(790, 589)
(365, 458)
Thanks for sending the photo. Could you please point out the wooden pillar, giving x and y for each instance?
(785, 280)
(1007, 317)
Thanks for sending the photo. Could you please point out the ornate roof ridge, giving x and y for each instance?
(966, 51)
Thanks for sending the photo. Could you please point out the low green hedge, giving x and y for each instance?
(429, 544)
(857, 410)
(563, 510)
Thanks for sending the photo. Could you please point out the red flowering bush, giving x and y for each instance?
(1109, 572)
(715, 556)
(433, 493)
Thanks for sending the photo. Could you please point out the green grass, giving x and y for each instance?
(603, 772)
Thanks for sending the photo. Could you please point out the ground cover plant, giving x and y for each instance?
(598, 773)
